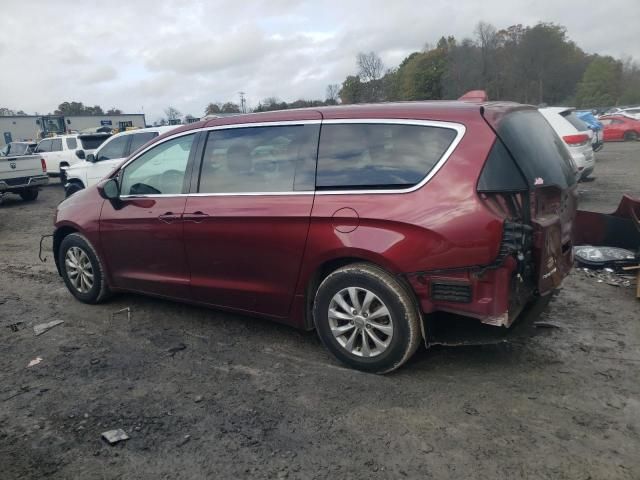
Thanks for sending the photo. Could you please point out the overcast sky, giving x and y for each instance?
(143, 55)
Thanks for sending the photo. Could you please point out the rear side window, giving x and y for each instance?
(44, 146)
(259, 159)
(573, 119)
(500, 173)
(537, 149)
(56, 145)
(91, 143)
(116, 148)
(360, 156)
(71, 143)
(139, 139)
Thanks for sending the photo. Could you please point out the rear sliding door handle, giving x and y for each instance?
(169, 217)
(195, 217)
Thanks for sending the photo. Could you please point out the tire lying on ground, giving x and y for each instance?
(366, 318)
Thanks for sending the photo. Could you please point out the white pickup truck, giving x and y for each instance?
(22, 175)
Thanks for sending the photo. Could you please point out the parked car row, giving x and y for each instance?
(105, 158)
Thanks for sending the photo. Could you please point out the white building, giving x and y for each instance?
(33, 127)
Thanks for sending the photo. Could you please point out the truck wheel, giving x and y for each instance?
(72, 188)
(82, 269)
(366, 318)
(29, 194)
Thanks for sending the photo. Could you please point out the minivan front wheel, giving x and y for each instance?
(81, 269)
(366, 318)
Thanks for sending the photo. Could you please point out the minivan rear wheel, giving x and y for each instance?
(82, 270)
(366, 318)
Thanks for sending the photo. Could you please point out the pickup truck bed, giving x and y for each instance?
(22, 175)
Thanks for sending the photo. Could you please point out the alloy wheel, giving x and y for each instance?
(79, 269)
(360, 322)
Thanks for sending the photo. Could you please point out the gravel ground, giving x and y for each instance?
(205, 394)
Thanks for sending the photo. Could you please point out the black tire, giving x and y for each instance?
(99, 290)
(401, 305)
(63, 173)
(630, 136)
(73, 187)
(29, 194)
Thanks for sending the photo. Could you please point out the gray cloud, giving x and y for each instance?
(154, 53)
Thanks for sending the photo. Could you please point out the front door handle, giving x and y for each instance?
(195, 217)
(168, 217)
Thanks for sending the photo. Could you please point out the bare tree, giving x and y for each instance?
(172, 113)
(370, 66)
(333, 93)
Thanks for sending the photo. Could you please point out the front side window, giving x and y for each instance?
(259, 159)
(56, 145)
(116, 148)
(358, 156)
(71, 143)
(159, 171)
(44, 146)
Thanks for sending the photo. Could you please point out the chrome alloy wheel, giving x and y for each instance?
(79, 269)
(360, 322)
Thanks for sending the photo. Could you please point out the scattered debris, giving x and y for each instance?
(95, 361)
(115, 436)
(184, 440)
(15, 326)
(547, 324)
(122, 310)
(610, 278)
(198, 398)
(173, 350)
(44, 327)
(35, 361)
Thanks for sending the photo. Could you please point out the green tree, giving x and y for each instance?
(352, 90)
(600, 85)
(420, 74)
(77, 108)
(114, 111)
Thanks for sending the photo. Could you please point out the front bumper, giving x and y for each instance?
(23, 182)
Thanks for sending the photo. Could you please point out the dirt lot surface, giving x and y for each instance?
(205, 394)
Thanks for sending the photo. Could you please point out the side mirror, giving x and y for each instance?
(90, 158)
(109, 189)
(80, 154)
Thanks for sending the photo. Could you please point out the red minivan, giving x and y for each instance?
(357, 221)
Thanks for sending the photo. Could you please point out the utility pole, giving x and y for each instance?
(243, 102)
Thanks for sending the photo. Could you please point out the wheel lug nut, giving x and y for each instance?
(365, 315)
(354, 311)
(368, 326)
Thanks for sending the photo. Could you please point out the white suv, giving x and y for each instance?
(64, 150)
(99, 164)
(576, 135)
